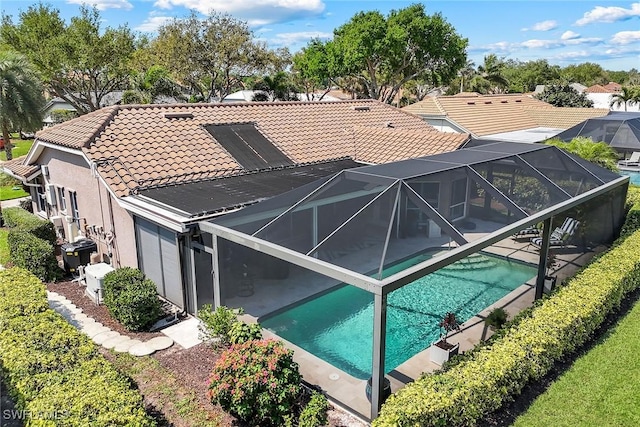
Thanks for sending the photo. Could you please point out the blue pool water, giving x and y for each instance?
(634, 177)
(337, 326)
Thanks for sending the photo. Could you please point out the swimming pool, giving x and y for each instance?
(634, 177)
(338, 326)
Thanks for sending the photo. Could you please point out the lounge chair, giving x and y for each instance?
(561, 235)
(531, 231)
(634, 160)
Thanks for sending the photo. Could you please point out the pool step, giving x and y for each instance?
(472, 262)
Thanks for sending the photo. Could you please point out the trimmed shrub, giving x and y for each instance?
(258, 381)
(526, 351)
(215, 325)
(16, 217)
(131, 298)
(315, 413)
(34, 254)
(241, 332)
(52, 369)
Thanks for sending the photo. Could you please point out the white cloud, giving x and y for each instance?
(501, 47)
(151, 24)
(626, 37)
(297, 38)
(575, 55)
(255, 12)
(543, 26)
(582, 40)
(568, 35)
(540, 44)
(552, 44)
(609, 14)
(105, 4)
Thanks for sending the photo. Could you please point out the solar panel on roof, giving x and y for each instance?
(248, 146)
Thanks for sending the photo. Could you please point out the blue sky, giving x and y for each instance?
(563, 32)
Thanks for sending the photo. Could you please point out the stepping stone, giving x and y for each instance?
(81, 317)
(100, 338)
(112, 342)
(94, 329)
(65, 301)
(74, 309)
(141, 349)
(160, 343)
(124, 346)
(52, 295)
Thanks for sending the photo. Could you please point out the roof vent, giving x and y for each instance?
(503, 101)
(487, 102)
(518, 100)
(471, 103)
(178, 115)
(362, 108)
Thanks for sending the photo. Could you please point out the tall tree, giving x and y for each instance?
(277, 87)
(311, 69)
(78, 62)
(149, 86)
(626, 96)
(210, 56)
(21, 100)
(563, 95)
(587, 73)
(525, 76)
(491, 72)
(383, 53)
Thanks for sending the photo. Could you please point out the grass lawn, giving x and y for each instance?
(602, 388)
(12, 192)
(20, 147)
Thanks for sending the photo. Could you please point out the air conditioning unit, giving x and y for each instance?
(50, 194)
(57, 221)
(94, 278)
(71, 229)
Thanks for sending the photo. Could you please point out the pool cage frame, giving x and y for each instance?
(604, 182)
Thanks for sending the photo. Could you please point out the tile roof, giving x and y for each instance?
(18, 168)
(597, 89)
(491, 114)
(383, 145)
(135, 145)
(613, 86)
(563, 117)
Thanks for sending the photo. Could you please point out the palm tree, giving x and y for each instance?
(626, 96)
(21, 99)
(465, 74)
(149, 86)
(599, 153)
(491, 71)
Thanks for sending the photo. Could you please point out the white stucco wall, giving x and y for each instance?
(95, 205)
(603, 100)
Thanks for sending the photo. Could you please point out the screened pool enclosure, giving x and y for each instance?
(355, 228)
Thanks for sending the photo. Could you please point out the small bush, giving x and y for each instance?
(496, 318)
(241, 332)
(215, 325)
(27, 204)
(258, 381)
(19, 218)
(315, 413)
(34, 254)
(131, 298)
(51, 368)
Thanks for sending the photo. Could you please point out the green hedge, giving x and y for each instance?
(16, 217)
(34, 254)
(495, 373)
(52, 369)
(131, 298)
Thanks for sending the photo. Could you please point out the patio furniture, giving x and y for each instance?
(531, 231)
(560, 236)
(634, 160)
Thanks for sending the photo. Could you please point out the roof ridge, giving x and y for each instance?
(243, 104)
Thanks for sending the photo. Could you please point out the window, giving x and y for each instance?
(458, 198)
(73, 197)
(62, 202)
(40, 199)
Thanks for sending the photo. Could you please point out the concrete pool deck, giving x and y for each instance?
(348, 392)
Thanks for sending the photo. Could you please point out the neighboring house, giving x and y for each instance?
(602, 96)
(577, 86)
(247, 96)
(507, 117)
(138, 179)
(57, 103)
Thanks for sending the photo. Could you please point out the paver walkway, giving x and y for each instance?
(101, 334)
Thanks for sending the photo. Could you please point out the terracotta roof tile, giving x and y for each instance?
(563, 117)
(18, 168)
(135, 145)
(382, 145)
(597, 89)
(490, 114)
